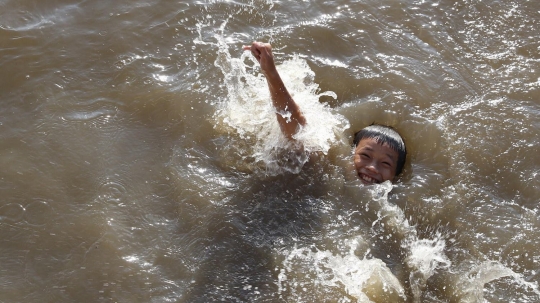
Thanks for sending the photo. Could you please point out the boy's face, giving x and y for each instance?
(374, 162)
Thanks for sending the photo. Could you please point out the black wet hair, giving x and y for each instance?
(385, 135)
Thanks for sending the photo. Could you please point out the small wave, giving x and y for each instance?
(89, 115)
(24, 20)
(97, 112)
(472, 284)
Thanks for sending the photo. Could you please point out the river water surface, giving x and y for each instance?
(141, 160)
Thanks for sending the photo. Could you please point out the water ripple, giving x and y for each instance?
(99, 109)
(38, 213)
(12, 212)
(113, 192)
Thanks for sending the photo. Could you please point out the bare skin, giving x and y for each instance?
(281, 99)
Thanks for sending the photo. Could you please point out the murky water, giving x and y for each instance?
(141, 162)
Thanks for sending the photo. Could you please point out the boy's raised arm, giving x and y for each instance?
(281, 99)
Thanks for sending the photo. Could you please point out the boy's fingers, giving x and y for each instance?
(257, 49)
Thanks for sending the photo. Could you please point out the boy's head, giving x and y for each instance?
(379, 154)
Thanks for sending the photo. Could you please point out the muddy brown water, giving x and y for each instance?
(140, 160)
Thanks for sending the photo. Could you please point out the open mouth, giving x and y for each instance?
(367, 179)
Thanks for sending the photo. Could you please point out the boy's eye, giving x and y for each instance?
(364, 155)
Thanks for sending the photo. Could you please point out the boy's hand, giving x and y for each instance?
(263, 53)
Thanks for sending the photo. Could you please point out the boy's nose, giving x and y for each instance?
(372, 167)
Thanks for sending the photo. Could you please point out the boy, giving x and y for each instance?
(380, 152)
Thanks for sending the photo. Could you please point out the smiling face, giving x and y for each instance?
(374, 162)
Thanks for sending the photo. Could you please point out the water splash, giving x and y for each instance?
(308, 273)
(424, 257)
(247, 111)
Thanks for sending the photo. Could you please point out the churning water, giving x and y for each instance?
(141, 160)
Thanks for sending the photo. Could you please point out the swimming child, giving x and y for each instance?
(379, 153)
